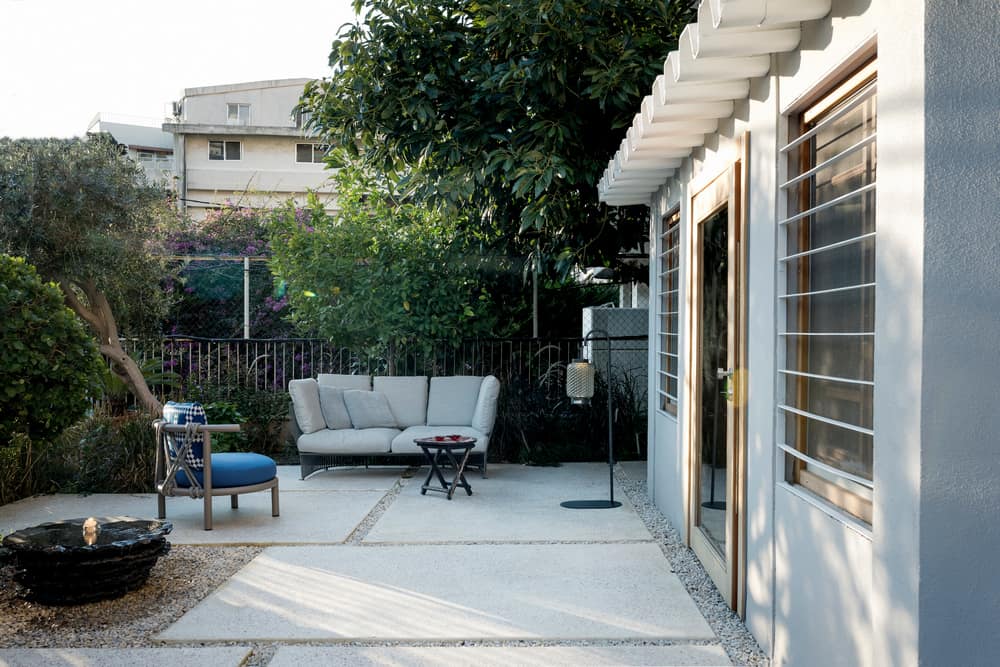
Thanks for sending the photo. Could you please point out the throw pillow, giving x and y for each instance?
(369, 409)
(331, 400)
(305, 402)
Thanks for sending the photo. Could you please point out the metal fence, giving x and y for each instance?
(268, 365)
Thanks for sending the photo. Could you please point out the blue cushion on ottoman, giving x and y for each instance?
(235, 469)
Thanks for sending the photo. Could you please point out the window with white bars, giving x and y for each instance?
(668, 316)
(826, 297)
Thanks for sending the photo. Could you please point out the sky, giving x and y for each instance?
(63, 61)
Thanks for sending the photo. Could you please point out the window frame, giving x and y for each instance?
(318, 151)
(239, 107)
(840, 488)
(668, 322)
(225, 150)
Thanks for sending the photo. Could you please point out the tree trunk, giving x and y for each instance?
(102, 321)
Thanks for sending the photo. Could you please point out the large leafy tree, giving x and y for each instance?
(83, 214)
(509, 109)
(381, 273)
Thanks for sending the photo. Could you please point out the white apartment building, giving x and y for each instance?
(146, 142)
(242, 143)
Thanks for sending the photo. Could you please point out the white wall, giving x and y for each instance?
(270, 105)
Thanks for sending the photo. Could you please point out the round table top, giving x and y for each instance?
(446, 441)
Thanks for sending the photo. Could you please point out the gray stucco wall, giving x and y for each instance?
(960, 419)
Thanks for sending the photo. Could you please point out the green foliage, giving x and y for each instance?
(103, 454)
(82, 213)
(381, 273)
(262, 415)
(49, 366)
(509, 110)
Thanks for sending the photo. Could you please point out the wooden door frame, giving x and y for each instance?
(727, 187)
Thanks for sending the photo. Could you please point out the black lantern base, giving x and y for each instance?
(591, 504)
(714, 504)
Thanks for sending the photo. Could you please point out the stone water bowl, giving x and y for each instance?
(84, 560)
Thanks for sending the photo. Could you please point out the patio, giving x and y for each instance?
(362, 569)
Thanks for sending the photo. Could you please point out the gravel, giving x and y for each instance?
(190, 573)
(735, 638)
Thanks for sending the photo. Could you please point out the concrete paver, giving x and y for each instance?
(449, 592)
(222, 656)
(514, 503)
(497, 656)
(306, 516)
(357, 478)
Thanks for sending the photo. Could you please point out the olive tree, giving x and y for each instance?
(83, 214)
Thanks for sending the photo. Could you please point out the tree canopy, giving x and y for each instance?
(83, 214)
(380, 273)
(507, 109)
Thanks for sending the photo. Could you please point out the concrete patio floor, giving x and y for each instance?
(507, 570)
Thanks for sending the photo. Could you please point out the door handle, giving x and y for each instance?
(727, 375)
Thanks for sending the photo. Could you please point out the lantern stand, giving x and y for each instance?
(580, 389)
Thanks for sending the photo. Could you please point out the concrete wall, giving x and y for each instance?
(959, 597)
(270, 104)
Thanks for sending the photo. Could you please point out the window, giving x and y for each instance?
(302, 118)
(827, 298)
(224, 150)
(310, 152)
(237, 114)
(668, 317)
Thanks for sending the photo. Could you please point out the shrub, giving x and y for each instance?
(104, 454)
(261, 413)
(49, 366)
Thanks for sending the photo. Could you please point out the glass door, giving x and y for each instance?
(715, 413)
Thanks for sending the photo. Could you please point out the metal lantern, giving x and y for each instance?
(580, 389)
(580, 381)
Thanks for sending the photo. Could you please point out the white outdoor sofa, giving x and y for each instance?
(334, 417)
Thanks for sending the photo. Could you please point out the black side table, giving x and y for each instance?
(433, 449)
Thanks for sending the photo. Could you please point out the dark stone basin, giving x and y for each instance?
(54, 564)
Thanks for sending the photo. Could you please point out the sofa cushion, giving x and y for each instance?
(348, 441)
(235, 469)
(331, 401)
(345, 381)
(407, 398)
(486, 406)
(403, 443)
(305, 403)
(452, 400)
(369, 409)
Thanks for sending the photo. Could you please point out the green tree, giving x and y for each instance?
(83, 214)
(380, 273)
(49, 366)
(507, 109)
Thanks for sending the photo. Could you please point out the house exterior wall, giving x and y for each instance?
(267, 173)
(918, 585)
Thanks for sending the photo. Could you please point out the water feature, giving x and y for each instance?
(84, 560)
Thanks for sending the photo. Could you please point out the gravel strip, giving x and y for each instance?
(736, 639)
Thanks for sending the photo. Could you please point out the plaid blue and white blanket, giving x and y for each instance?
(186, 413)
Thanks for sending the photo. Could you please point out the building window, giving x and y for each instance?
(237, 114)
(224, 150)
(302, 118)
(310, 152)
(827, 297)
(668, 318)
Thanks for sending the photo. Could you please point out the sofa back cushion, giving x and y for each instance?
(407, 398)
(331, 400)
(345, 381)
(486, 406)
(305, 403)
(369, 409)
(452, 400)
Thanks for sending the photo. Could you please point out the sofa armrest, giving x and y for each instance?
(486, 405)
(294, 431)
